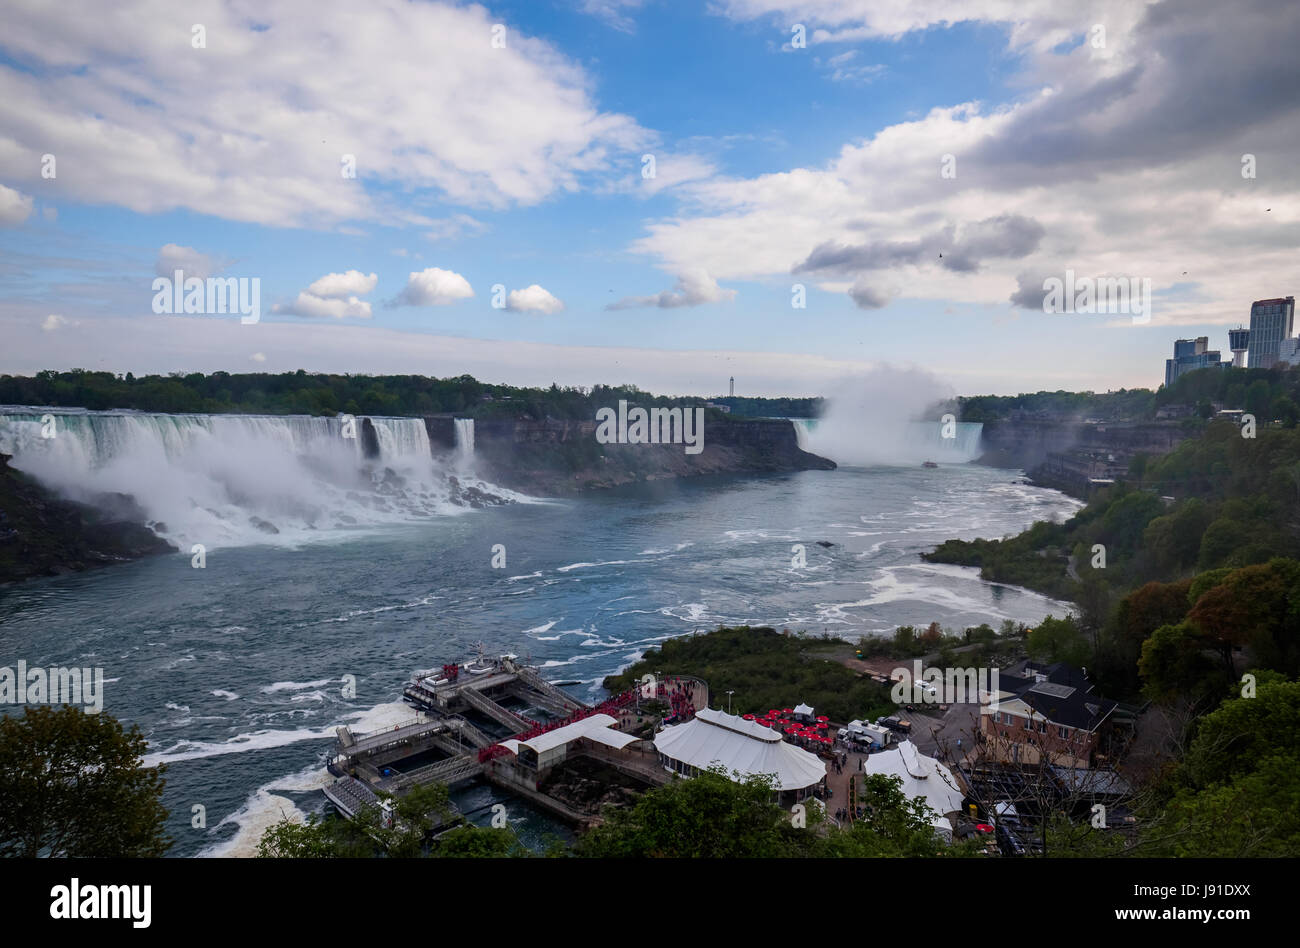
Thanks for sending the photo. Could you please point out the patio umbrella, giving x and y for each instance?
(822, 717)
(749, 717)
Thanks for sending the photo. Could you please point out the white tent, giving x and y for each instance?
(715, 737)
(922, 777)
(598, 728)
(803, 712)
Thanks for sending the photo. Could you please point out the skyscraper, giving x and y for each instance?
(1190, 354)
(1270, 323)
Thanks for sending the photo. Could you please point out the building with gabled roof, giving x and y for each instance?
(1047, 711)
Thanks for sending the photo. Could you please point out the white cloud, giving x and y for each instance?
(533, 299)
(1097, 191)
(671, 170)
(843, 68)
(173, 257)
(53, 322)
(693, 287)
(338, 285)
(450, 228)
(15, 207)
(434, 287)
(255, 126)
(613, 12)
(316, 307)
(333, 296)
(206, 345)
(258, 357)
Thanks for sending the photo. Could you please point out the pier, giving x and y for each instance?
(472, 722)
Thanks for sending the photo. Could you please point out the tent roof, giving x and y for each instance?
(714, 737)
(597, 724)
(803, 709)
(922, 776)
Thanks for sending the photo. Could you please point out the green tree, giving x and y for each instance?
(477, 842)
(73, 784)
(1174, 663)
(1059, 640)
(892, 825)
(1238, 789)
(367, 834)
(707, 816)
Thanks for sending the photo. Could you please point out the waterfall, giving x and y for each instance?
(964, 446)
(884, 440)
(234, 479)
(464, 442)
(803, 429)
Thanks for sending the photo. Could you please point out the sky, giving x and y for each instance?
(668, 194)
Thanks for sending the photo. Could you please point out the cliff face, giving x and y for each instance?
(41, 535)
(1066, 454)
(563, 456)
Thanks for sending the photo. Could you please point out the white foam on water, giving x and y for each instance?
(236, 480)
(296, 685)
(573, 566)
(264, 809)
(536, 630)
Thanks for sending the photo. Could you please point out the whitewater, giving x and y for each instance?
(236, 673)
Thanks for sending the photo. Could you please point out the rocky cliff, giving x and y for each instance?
(42, 535)
(1067, 454)
(560, 456)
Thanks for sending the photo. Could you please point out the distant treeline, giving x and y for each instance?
(1126, 404)
(745, 407)
(304, 393)
(1268, 394)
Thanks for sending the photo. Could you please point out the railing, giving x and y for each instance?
(550, 690)
(444, 771)
(495, 711)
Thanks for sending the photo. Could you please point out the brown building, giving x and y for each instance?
(1045, 711)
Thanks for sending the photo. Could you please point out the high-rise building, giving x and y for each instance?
(1190, 354)
(1270, 323)
(733, 386)
(1238, 342)
(1288, 352)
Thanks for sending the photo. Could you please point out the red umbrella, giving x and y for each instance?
(749, 717)
(822, 717)
(774, 713)
(787, 710)
(821, 725)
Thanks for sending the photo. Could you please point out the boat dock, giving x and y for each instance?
(472, 722)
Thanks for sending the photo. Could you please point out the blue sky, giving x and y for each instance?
(522, 166)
